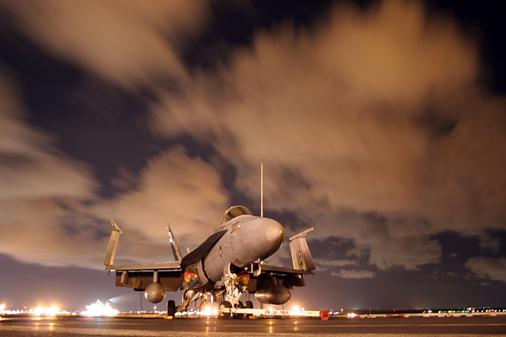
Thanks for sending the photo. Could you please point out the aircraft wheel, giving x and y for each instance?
(240, 305)
(171, 308)
(227, 305)
(248, 305)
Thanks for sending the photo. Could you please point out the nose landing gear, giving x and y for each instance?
(233, 289)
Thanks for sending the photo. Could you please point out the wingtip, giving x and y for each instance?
(302, 234)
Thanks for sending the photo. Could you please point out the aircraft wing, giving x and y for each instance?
(160, 266)
(287, 276)
(279, 270)
(140, 275)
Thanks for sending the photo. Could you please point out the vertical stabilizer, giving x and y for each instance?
(301, 255)
(174, 245)
(112, 246)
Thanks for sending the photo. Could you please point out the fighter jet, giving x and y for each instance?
(229, 263)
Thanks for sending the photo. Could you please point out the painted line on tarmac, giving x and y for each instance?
(150, 333)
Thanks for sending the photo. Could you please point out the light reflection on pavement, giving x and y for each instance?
(401, 327)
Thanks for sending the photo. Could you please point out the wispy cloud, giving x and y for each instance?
(488, 268)
(51, 214)
(371, 125)
(354, 274)
(40, 186)
(128, 41)
(327, 263)
(172, 189)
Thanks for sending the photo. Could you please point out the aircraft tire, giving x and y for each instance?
(228, 305)
(248, 305)
(240, 305)
(171, 308)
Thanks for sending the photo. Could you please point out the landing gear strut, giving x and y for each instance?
(232, 291)
(234, 286)
(189, 296)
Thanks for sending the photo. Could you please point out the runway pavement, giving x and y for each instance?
(419, 327)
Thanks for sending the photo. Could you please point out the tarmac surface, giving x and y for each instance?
(74, 327)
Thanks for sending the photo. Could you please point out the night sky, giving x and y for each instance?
(381, 124)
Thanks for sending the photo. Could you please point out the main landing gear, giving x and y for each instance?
(225, 305)
(235, 286)
(171, 308)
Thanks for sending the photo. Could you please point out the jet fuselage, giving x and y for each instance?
(238, 242)
(247, 239)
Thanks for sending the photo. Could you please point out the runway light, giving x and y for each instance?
(296, 310)
(99, 309)
(352, 315)
(51, 311)
(209, 310)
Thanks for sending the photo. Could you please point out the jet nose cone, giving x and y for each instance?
(262, 238)
(274, 231)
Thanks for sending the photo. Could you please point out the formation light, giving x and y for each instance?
(99, 309)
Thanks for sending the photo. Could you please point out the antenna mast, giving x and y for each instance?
(261, 190)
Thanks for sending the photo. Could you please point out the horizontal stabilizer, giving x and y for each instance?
(299, 250)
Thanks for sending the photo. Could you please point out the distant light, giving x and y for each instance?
(352, 315)
(99, 309)
(2, 307)
(51, 311)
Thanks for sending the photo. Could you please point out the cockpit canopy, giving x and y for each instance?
(234, 212)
